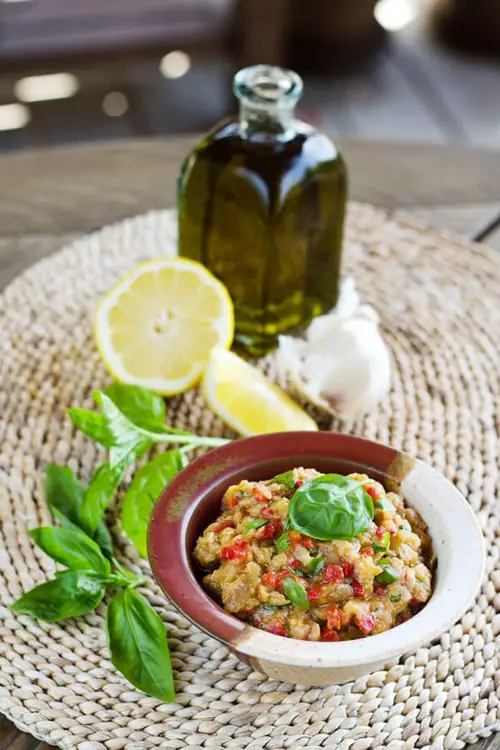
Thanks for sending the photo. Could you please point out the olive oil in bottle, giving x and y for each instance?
(261, 204)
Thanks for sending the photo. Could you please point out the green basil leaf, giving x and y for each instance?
(273, 607)
(287, 478)
(65, 497)
(137, 641)
(119, 426)
(93, 425)
(256, 523)
(103, 538)
(383, 543)
(283, 543)
(71, 547)
(295, 593)
(129, 441)
(389, 574)
(141, 406)
(382, 504)
(64, 493)
(70, 594)
(143, 492)
(396, 597)
(316, 565)
(129, 453)
(331, 507)
(102, 486)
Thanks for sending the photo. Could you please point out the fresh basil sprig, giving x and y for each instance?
(331, 507)
(131, 421)
(122, 425)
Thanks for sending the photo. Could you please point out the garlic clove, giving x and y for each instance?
(342, 364)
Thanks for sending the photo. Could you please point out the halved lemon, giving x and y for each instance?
(248, 401)
(158, 325)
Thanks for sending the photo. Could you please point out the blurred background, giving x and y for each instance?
(70, 71)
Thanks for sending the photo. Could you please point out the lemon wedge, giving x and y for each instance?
(158, 325)
(246, 400)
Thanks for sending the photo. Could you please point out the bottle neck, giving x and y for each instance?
(275, 122)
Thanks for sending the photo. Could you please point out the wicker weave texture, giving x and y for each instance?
(438, 301)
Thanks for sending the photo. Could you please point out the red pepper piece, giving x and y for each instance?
(308, 542)
(348, 568)
(233, 501)
(259, 496)
(270, 579)
(223, 525)
(295, 538)
(266, 512)
(314, 593)
(281, 577)
(271, 529)
(373, 491)
(238, 551)
(295, 564)
(332, 573)
(358, 589)
(414, 602)
(367, 551)
(277, 627)
(329, 635)
(299, 483)
(333, 618)
(366, 623)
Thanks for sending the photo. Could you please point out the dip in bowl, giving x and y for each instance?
(352, 627)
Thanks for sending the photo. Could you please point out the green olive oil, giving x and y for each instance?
(261, 204)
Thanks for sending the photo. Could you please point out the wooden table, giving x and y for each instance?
(48, 198)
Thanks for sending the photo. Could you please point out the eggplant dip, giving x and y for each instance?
(319, 557)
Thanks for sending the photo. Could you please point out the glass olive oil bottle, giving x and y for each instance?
(261, 204)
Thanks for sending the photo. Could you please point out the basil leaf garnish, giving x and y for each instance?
(143, 492)
(71, 547)
(138, 645)
(70, 594)
(256, 523)
(331, 507)
(382, 504)
(383, 543)
(287, 478)
(389, 574)
(295, 593)
(316, 565)
(283, 543)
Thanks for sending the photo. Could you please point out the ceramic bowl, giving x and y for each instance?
(192, 500)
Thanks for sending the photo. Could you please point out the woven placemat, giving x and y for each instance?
(438, 302)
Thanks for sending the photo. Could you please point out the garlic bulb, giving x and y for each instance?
(342, 363)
